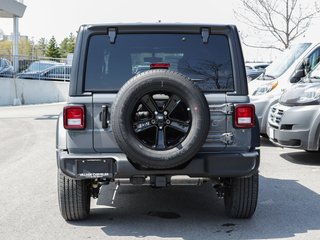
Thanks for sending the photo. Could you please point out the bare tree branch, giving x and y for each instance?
(261, 46)
(281, 20)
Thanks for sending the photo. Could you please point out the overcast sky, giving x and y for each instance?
(60, 17)
(45, 18)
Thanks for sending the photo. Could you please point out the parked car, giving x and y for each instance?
(41, 65)
(6, 68)
(295, 121)
(140, 68)
(288, 69)
(254, 70)
(36, 67)
(194, 119)
(57, 73)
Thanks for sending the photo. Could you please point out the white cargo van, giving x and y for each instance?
(288, 69)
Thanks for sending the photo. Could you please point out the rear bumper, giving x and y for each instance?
(113, 166)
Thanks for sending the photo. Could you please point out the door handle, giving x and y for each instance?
(105, 116)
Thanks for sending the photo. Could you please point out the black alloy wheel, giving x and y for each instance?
(161, 120)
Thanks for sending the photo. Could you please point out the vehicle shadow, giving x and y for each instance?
(264, 142)
(303, 158)
(285, 208)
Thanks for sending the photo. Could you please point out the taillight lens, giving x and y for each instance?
(244, 116)
(74, 117)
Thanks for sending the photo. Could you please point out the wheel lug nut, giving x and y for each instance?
(167, 121)
(160, 127)
(165, 112)
(153, 121)
(156, 113)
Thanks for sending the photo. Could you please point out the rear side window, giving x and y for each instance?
(109, 66)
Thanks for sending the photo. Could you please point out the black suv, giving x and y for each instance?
(148, 102)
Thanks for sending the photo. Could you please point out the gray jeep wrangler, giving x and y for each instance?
(150, 102)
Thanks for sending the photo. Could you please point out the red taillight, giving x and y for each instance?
(244, 116)
(159, 65)
(73, 117)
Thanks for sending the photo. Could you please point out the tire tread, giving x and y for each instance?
(74, 198)
(242, 196)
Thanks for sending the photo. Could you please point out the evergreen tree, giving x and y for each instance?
(72, 43)
(52, 49)
(67, 45)
(64, 48)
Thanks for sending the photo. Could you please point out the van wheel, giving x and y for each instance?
(241, 196)
(74, 198)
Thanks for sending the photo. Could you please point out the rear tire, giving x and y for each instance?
(241, 196)
(74, 198)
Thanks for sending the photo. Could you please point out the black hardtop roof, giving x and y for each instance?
(158, 26)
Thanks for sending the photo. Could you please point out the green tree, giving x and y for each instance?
(6, 47)
(64, 47)
(53, 50)
(41, 47)
(25, 47)
(67, 45)
(72, 43)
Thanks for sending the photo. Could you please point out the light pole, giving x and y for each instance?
(16, 44)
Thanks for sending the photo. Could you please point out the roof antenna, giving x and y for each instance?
(159, 21)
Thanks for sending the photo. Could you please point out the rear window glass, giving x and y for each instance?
(109, 65)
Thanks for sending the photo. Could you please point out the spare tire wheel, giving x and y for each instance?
(160, 119)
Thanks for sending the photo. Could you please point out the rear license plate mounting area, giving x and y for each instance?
(92, 168)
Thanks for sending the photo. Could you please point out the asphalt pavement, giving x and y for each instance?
(288, 208)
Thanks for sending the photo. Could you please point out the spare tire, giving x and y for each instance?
(160, 119)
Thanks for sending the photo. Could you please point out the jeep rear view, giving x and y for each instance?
(150, 102)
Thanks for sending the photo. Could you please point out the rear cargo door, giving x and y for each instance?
(205, 59)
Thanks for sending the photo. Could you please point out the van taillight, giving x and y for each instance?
(244, 116)
(73, 117)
